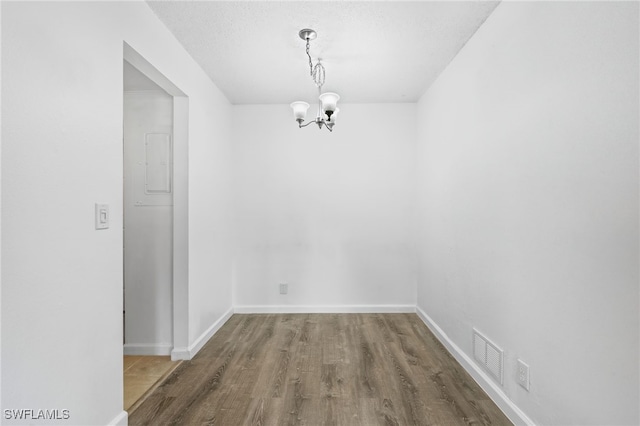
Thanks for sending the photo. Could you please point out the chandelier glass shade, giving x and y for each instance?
(300, 110)
(327, 102)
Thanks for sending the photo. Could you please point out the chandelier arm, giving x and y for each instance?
(319, 122)
(326, 125)
(300, 125)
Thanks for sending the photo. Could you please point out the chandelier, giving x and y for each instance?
(327, 110)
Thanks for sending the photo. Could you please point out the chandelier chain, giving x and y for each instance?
(317, 72)
(310, 62)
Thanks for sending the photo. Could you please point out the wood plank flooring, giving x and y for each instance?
(320, 369)
(141, 374)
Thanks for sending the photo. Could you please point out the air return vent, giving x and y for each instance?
(488, 355)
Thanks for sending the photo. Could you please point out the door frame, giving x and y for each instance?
(180, 200)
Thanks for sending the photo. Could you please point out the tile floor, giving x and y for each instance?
(141, 374)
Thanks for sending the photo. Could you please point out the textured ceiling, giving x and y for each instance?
(382, 51)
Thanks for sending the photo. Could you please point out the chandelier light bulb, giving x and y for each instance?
(333, 117)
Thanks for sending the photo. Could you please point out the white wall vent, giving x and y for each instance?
(488, 355)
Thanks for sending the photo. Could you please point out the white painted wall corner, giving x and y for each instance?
(189, 352)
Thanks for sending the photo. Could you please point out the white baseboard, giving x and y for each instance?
(323, 309)
(496, 394)
(189, 352)
(147, 349)
(121, 419)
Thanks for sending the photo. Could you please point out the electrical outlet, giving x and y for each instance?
(523, 375)
(284, 288)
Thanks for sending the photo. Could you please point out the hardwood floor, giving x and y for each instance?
(141, 374)
(320, 369)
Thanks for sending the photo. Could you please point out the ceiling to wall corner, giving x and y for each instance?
(373, 52)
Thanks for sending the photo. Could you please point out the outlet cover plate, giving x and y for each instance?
(284, 288)
(522, 375)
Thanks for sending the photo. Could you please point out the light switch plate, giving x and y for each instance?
(102, 216)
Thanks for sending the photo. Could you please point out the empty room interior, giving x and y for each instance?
(383, 212)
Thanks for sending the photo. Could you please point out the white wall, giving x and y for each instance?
(328, 213)
(62, 152)
(528, 189)
(148, 224)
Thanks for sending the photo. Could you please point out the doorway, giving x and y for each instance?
(148, 215)
(179, 185)
(155, 227)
